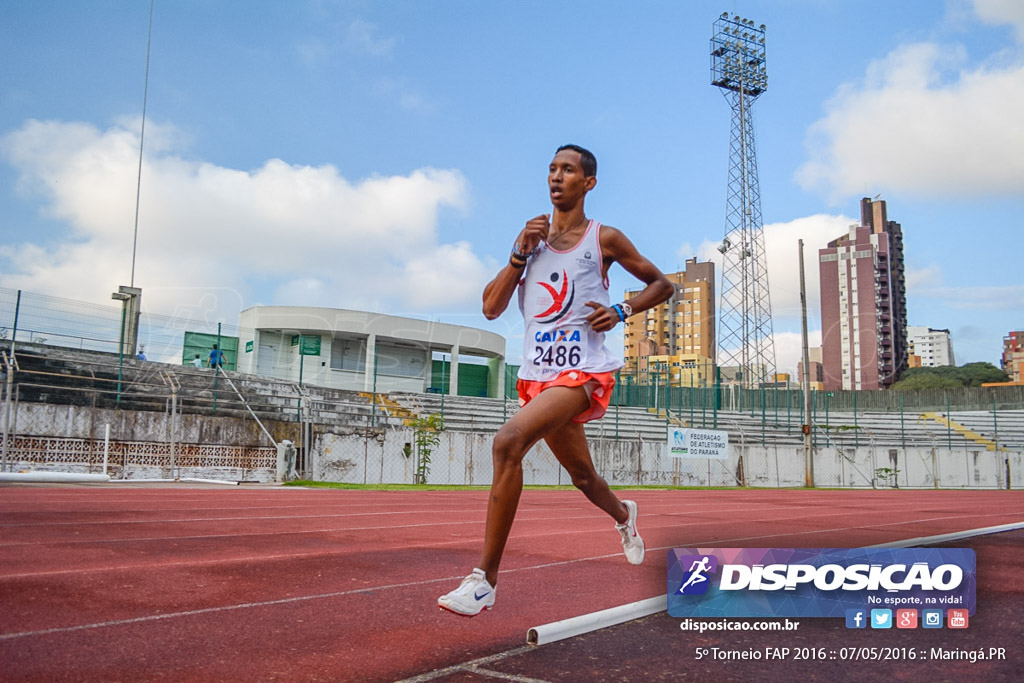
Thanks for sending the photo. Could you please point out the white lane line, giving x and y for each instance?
(587, 623)
(458, 541)
(198, 520)
(661, 508)
(326, 554)
(470, 666)
(215, 610)
(954, 536)
(591, 515)
(490, 673)
(368, 589)
(525, 518)
(478, 519)
(523, 514)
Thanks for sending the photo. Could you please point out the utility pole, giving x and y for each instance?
(806, 379)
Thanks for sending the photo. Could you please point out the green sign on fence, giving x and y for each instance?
(310, 345)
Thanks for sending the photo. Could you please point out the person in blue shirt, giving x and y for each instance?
(216, 358)
(142, 353)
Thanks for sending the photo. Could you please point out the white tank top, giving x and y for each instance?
(553, 292)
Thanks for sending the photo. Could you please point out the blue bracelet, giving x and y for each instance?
(618, 309)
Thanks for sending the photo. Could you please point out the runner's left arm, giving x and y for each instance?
(617, 248)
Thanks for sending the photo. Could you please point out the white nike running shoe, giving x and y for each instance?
(632, 544)
(472, 596)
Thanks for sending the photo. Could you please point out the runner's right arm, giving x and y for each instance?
(498, 291)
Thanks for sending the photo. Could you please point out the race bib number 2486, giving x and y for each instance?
(559, 349)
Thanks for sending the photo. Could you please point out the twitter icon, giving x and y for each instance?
(881, 618)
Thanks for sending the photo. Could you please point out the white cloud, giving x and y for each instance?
(404, 94)
(971, 298)
(684, 252)
(928, 283)
(1002, 12)
(992, 298)
(449, 272)
(416, 103)
(362, 37)
(789, 350)
(358, 38)
(922, 122)
(307, 232)
(920, 279)
(781, 246)
(781, 250)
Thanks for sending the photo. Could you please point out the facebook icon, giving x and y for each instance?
(856, 618)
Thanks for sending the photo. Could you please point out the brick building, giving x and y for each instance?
(864, 304)
(1013, 356)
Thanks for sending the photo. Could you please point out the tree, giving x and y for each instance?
(975, 374)
(921, 381)
(950, 377)
(426, 436)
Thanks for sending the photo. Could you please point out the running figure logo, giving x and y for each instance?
(696, 581)
(561, 300)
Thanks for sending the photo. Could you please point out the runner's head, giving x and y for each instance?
(588, 162)
(571, 176)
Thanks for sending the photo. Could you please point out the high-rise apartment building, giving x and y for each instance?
(932, 346)
(682, 326)
(864, 303)
(817, 378)
(1013, 356)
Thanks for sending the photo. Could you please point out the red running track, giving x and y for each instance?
(117, 583)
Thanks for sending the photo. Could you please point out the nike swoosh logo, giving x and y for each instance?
(480, 596)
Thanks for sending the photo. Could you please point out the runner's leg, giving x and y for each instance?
(551, 409)
(569, 444)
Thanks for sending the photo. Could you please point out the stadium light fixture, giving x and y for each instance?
(738, 56)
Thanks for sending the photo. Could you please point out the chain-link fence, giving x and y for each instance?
(72, 399)
(81, 411)
(645, 390)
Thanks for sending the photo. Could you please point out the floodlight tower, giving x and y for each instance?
(745, 313)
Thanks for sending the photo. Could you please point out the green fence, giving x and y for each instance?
(42, 319)
(473, 378)
(641, 390)
(80, 325)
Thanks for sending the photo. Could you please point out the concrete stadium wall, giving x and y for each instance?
(263, 475)
(462, 458)
(70, 439)
(85, 422)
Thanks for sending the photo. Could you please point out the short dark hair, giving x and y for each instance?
(587, 159)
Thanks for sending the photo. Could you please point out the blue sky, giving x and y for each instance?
(384, 155)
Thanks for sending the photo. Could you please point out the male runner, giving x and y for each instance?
(560, 265)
